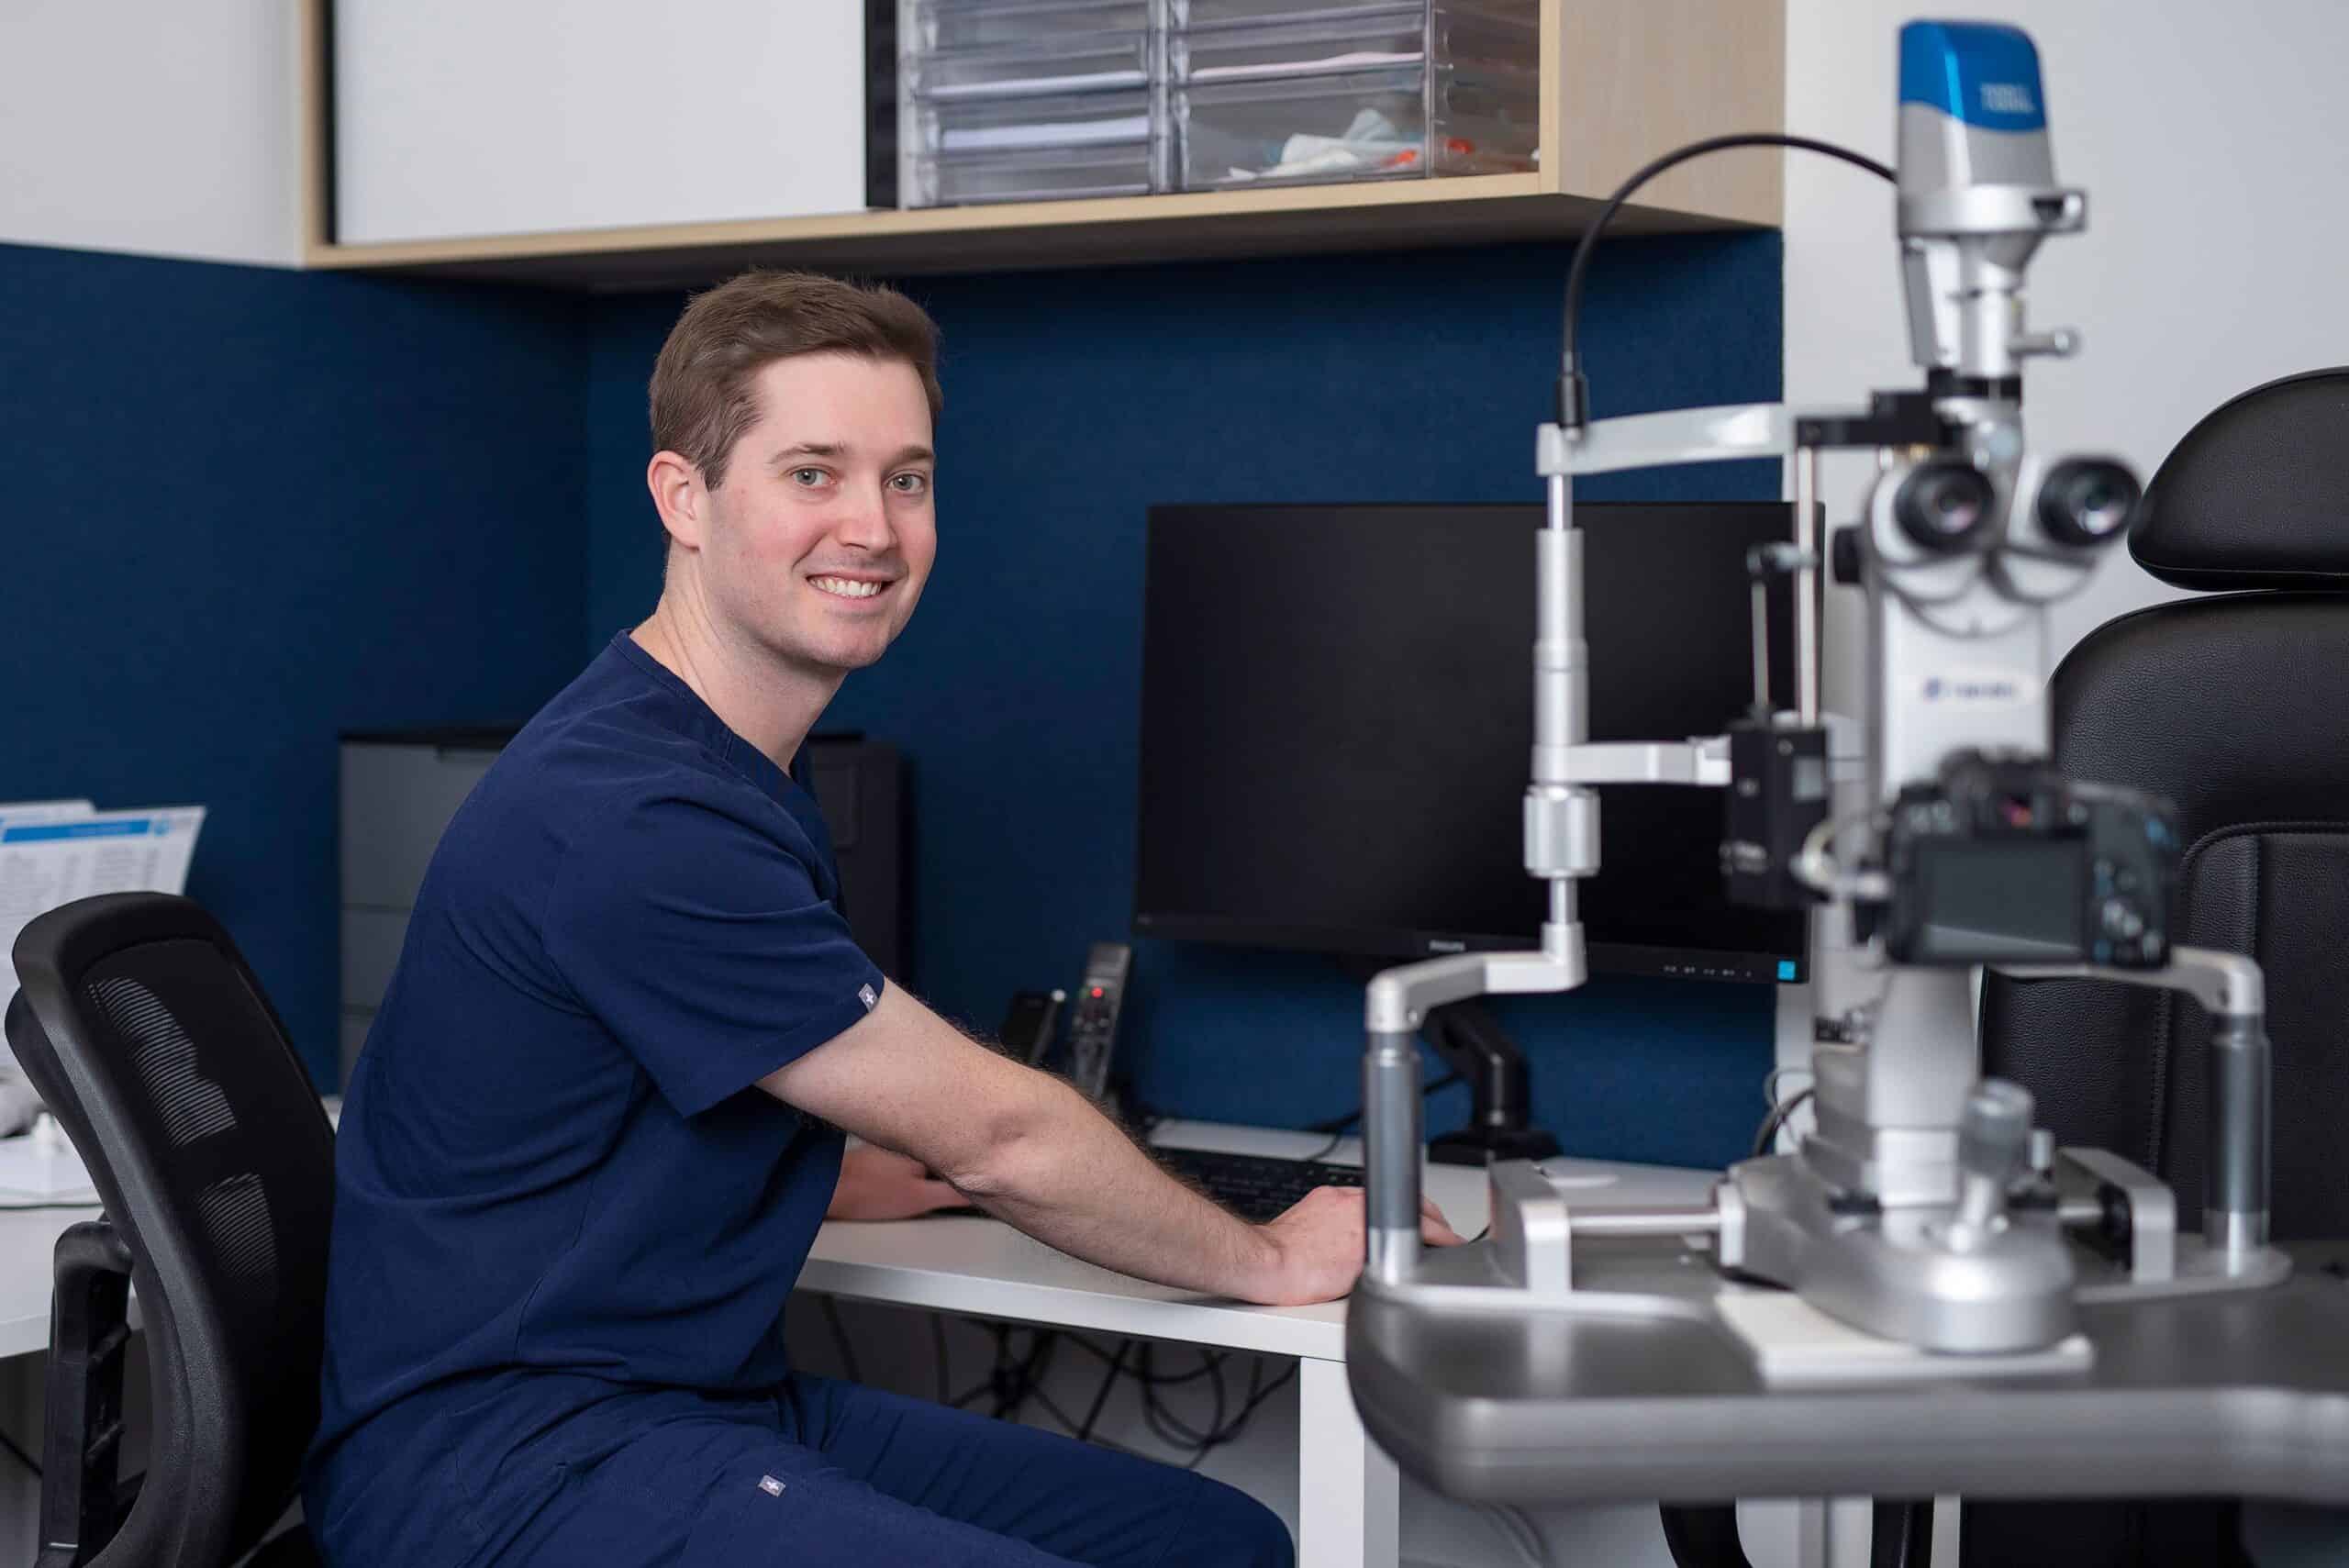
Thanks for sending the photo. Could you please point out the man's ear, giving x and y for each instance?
(681, 498)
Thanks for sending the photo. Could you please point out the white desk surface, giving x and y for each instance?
(962, 1263)
(28, 1265)
(981, 1266)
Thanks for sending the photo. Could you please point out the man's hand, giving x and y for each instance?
(1318, 1245)
(877, 1184)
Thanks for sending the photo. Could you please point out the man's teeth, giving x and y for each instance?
(846, 587)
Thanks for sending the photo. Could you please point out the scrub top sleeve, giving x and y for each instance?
(703, 945)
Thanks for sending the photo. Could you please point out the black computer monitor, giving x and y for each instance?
(1336, 729)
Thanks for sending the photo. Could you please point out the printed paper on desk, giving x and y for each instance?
(43, 810)
(50, 859)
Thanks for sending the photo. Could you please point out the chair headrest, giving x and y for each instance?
(2256, 496)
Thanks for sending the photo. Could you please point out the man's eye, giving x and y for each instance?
(910, 484)
(810, 477)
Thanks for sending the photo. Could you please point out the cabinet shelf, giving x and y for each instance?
(1620, 78)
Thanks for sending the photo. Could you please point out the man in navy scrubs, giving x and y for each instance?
(600, 1114)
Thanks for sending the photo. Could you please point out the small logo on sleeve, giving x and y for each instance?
(866, 994)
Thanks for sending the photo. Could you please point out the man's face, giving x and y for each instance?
(822, 535)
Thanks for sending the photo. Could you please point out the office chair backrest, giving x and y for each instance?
(2236, 708)
(151, 1040)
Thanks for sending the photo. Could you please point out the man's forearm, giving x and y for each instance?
(1073, 1178)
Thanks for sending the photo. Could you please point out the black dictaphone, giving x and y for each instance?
(1093, 1032)
(1030, 1025)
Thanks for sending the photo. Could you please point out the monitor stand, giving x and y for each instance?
(1473, 1044)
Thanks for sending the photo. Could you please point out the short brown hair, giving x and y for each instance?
(701, 396)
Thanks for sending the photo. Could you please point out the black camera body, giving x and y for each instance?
(2003, 860)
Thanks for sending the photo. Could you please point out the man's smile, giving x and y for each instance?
(840, 587)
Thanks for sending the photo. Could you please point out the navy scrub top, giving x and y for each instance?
(556, 1179)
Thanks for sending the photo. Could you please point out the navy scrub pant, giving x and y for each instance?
(851, 1477)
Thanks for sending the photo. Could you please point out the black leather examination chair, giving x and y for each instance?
(2234, 703)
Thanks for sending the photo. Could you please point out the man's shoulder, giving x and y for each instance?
(619, 770)
(576, 769)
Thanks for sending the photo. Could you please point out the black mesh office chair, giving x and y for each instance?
(2236, 708)
(151, 1040)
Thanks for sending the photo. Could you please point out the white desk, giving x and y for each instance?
(1347, 1512)
(1347, 1494)
(28, 1263)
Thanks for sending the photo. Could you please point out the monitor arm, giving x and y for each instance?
(1472, 1044)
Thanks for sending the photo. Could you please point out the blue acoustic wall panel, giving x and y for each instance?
(248, 508)
(1075, 402)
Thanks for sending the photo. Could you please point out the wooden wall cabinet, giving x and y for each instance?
(1621, 82)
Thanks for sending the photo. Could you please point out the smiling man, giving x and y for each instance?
(601, 1112)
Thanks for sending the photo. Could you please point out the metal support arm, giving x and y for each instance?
(1726, 433)
(1702, 761)
(2233, 990)
(1396, 1004)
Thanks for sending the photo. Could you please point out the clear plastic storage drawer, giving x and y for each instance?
(985, 24)
(1069, 63)
(959, 129)
(1395, 124)
(1053, 173)
(1257, 40)
(1036, 148)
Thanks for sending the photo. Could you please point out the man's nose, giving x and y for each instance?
(863, 520)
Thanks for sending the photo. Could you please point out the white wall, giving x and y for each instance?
(165, 128)
(2213, 143)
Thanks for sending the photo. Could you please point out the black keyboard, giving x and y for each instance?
(1256, 1186)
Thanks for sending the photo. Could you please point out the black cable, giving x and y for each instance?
(1004, 1371)
(1177, 1432)
(21, 1456)
(840, 1338)
(1901, 1533)
(1572, 397)
(1259, 1396)
(1027, 1376)
(999, 1377)
(1152, 1413)
(1018, 1381)
(1219, 1432)
(1214, 1423)
(1158, 1380)
(1776, 1119)
(1703, 1535)
(1220, 1429)
(1101, 1394)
